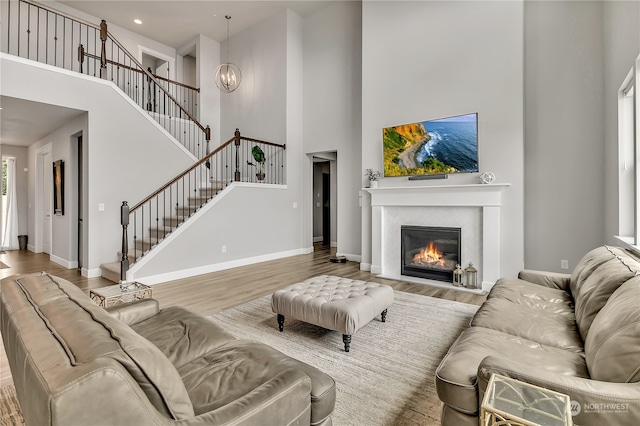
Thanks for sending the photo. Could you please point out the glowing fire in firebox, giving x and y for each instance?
(429, 256)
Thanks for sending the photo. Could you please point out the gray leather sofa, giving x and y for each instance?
(74, 363)
(577, 334)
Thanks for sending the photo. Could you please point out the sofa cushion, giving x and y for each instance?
(456, 377)
(551, 300)
(585, 267)
(102, 335)
(531, 322)
(612, 347)
(239, 366)
(596, 289)
(181, 335)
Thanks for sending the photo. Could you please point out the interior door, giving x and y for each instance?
(80, 202)
(326, 209)
(47, 189)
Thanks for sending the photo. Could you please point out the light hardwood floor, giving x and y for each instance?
(214, 292)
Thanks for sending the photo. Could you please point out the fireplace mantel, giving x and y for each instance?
(487, 197)
(438, 195)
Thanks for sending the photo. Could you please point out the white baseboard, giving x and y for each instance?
(91, 273)
(351, 257)
(31, 247)
(317, 239)
(376, 269)
(186, 273)
(69, 264)
(365, 266)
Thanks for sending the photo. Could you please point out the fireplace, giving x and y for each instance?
(429, 252)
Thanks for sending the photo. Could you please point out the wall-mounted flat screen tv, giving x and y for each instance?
(441, 146)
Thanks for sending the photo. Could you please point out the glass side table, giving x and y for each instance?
(115, 295)
(512, 402)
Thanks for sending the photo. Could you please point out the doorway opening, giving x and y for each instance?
(325, 199)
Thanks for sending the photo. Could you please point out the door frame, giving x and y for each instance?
(38, 234)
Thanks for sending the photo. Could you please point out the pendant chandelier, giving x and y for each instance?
(228, 75)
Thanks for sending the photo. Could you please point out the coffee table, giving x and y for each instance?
(115, 295)
(334, 303)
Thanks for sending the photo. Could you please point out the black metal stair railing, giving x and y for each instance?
(43, 34)
(240, 159)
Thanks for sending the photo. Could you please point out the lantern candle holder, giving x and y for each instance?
(471, 276)
(457, 276)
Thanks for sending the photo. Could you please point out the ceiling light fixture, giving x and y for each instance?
(228, 75)
(137, 21)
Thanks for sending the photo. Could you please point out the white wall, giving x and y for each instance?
(564, 120)
(258, 106)
(332, 110)
(425, 60)
(252, 221)
(115, 126)
(621, 49)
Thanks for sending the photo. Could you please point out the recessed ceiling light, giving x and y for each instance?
(137, 21)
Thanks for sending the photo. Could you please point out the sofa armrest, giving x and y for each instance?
(135, 312)
(547, 279)
(595, 402)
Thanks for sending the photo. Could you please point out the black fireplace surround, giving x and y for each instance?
(429, 252)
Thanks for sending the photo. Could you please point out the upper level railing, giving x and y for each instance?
(240, 159)
(43, 34)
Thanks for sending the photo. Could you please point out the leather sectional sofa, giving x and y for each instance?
(74, 363)
(577, 334)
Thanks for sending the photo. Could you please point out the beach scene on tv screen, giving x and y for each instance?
(446, 145)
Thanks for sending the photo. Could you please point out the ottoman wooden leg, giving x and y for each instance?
(384, 315)
(281, 322)
(346, 338)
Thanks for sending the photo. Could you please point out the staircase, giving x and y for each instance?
(240, 159)
(156, 234)
(86, 48)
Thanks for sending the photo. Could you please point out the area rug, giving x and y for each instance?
(388, 376)
(9, 407)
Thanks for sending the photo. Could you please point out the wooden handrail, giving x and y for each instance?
(65, 14)
(151, 76)
(204, 159)
(127, 67)
(102, 28)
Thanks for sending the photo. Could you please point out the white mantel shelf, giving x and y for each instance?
(486, 196)
(438, 195)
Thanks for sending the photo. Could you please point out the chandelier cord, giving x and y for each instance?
(228, 18)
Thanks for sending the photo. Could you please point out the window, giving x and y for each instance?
(629, 162)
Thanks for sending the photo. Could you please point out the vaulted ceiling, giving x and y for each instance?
(171, 22)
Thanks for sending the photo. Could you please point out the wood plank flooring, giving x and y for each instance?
(210, 293)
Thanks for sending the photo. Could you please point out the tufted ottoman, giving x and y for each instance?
(335, 303)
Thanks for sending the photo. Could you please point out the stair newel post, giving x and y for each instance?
(207, 136)
(237, 143)
(124, 263)
(103, 49)
(81, 56)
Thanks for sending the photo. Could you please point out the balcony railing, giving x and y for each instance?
(43, 34)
